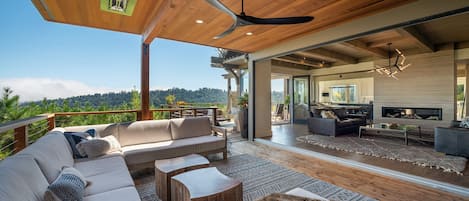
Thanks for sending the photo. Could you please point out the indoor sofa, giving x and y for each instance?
(343, 124)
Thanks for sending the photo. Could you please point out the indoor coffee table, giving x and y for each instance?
(205, 184)
(167, 168)
(386, 130)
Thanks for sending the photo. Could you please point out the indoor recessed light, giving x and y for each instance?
(249, 33)
(199, 21)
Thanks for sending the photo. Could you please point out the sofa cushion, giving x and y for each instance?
(139, 132)
(190, 127)
(21, 179)
(102, 130)
(98, 146)
(115, 178)
(99, 166)
(51, 152)
(144, 153)
(121, 194)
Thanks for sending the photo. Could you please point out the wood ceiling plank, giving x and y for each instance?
(422, 41)
(363, 47)
(155, 19)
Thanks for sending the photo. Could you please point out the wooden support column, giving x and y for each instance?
(145, 83)
(51, 122)
(21, 138)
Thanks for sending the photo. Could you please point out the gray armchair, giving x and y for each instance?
(452, 140)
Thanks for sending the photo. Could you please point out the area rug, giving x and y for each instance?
(260, 178)
(389, 149)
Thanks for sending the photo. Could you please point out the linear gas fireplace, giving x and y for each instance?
(412, 113)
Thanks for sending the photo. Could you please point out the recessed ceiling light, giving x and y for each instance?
(199, 21)
(249, 33)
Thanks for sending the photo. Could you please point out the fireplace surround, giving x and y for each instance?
(412, 113)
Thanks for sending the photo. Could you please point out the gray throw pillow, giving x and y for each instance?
(98, 146)
(69, 186)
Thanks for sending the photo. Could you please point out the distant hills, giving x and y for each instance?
(157, 97)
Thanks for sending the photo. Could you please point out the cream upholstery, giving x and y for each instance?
(146, 141)
(21, 179)
(139, 132)
(190, 127)
(121, 194)
(115, 178)
(143, 153)
(100, 165)
(102, 130)
(51, 152)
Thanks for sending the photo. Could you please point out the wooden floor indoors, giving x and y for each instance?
(286, 135)
(370, 184)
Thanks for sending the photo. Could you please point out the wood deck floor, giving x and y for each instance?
(370, 184)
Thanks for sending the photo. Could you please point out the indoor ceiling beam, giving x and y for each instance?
(421, 40)
(328, 55)
(165, 10)
(306, 62)
(385, 42)
(356, 44)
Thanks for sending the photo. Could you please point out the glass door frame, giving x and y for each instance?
(293, 119)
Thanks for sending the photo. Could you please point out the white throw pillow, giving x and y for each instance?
(464, 123)
(98, 146)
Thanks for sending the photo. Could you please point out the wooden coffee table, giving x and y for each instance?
(165, 169)
(385, 130)
(205, 184)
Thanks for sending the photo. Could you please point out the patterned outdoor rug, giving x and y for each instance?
(260, 178)
(389, 149)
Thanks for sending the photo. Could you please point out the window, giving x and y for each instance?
(343, 94)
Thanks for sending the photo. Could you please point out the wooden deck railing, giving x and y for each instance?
(17, 135)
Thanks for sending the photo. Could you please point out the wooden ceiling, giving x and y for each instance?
(175, 19)
(420, 38)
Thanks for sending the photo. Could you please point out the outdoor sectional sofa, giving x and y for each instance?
(26, 175)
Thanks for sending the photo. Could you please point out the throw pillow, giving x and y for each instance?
(69, 185)
(98, 146)
(327, 114)
(464, 123)
(74, 138)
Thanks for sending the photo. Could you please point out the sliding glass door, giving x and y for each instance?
(301, 100)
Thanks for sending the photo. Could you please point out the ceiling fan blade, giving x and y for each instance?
(222, 8)
(276, 21)
(226, 32)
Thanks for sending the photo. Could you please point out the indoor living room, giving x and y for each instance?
(393, 98)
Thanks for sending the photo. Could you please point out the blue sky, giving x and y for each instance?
(36, 55)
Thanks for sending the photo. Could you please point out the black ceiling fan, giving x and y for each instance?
(243, 20)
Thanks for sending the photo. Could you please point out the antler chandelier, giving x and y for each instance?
(393, 67)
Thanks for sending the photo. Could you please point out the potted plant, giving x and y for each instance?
(243, 114)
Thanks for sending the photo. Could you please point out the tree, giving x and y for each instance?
(170, 99)
(9, 106)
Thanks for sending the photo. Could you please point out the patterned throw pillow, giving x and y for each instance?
(69, 186)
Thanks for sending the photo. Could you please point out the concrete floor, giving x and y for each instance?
(286, 134)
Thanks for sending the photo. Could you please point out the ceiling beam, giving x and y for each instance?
(328, 55)
(154, 25)
(421, 40)
(287, 64)
(385, 42)
(302, 61)
(363, 47)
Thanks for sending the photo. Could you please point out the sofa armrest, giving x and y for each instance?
(217, 130)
